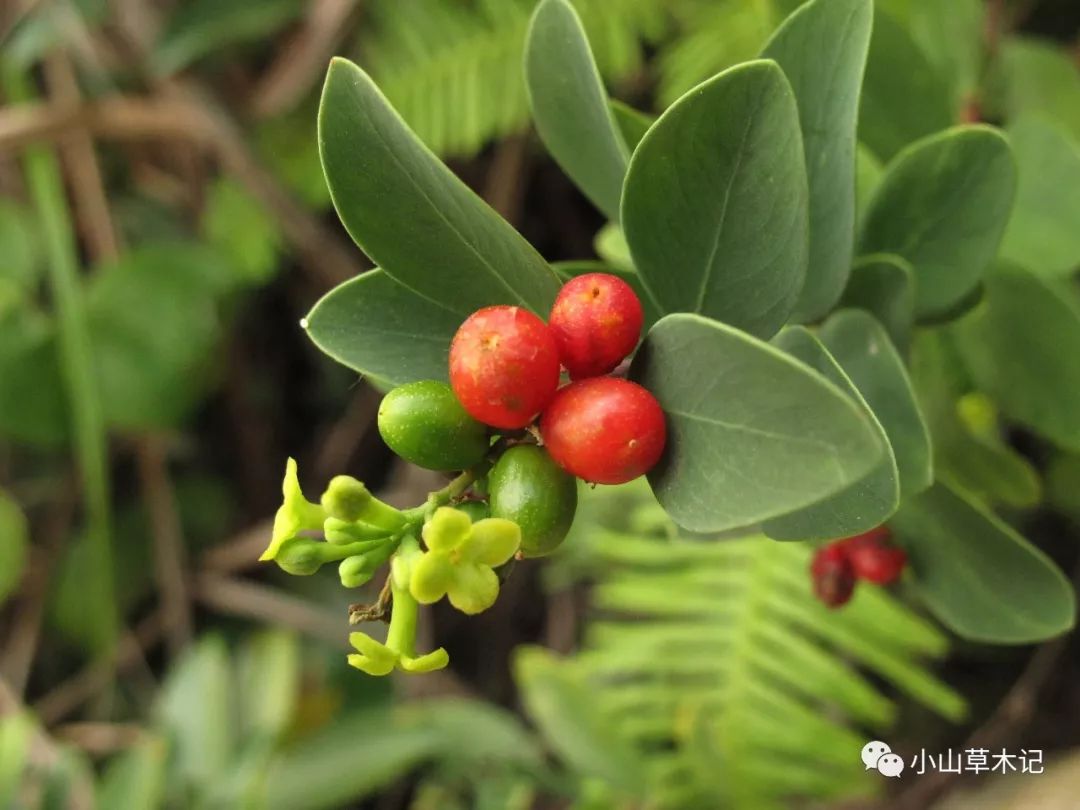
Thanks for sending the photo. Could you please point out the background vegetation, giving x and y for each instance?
(164, 225)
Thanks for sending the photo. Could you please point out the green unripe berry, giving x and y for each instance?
(530, 489)
(300, 556)
(424, 423)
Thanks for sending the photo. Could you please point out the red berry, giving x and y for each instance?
(605, 430)
(873, 558)
(833, 575)
(504, 367)
(596, 321)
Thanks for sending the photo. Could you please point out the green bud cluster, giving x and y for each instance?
(462, 546)
(512, 500)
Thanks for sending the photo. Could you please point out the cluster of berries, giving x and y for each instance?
(504, 369)
(837, 567)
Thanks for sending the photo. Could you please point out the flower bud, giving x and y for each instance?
(359, 569)
(348, 500)
(343, 532)
(300, 556)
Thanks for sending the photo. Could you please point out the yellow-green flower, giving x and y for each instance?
(296, 514)
(375, 658)
(460, 559)
(399, 651)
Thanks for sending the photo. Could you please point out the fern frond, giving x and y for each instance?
(454, 69)
(716, 34)
(715, 657)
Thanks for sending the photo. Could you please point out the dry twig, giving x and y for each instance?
(303, 59)
(169, 556)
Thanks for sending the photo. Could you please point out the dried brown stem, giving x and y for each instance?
(252, 601)
(81, 687)
(187, 115)
(81, 165)
(169, 556)
(1012, 715)
(116, 117)
(302, 61)
(22, 643)
(100, 739)
(505, 188)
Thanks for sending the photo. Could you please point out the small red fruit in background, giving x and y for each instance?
(596, 322)
(874, 558)
(504, 366)
(833, 575)
(604, 430)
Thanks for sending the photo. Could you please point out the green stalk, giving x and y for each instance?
(46, 187)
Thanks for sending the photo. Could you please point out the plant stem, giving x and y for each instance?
(401, 636)
(77, 362)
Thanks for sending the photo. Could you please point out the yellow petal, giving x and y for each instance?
(446, 529)
(296, 514)
(371, 666)
(493, 541)
(375, 658)
(431, 575)
(426, 663)
(474, 588)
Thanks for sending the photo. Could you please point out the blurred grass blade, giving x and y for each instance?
(46, 187)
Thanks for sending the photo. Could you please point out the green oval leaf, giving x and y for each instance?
(822, 49)
(715, 201)
(194, 707)
(1039, 77)
(570, 106)
(135, 780)
(983, 465)
(952, 35)
(633, 124)
(610, 245)
(411, 215)
(863, 349)
(978, 576)
(1043, 234)
(752, 433)
(383, 330)
(884, 286)
(153, 320)
(868, 174)
(859, 507)
(943, 206)
(29, 361)
(899, 106)
(1021, 347)
(269, 672)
